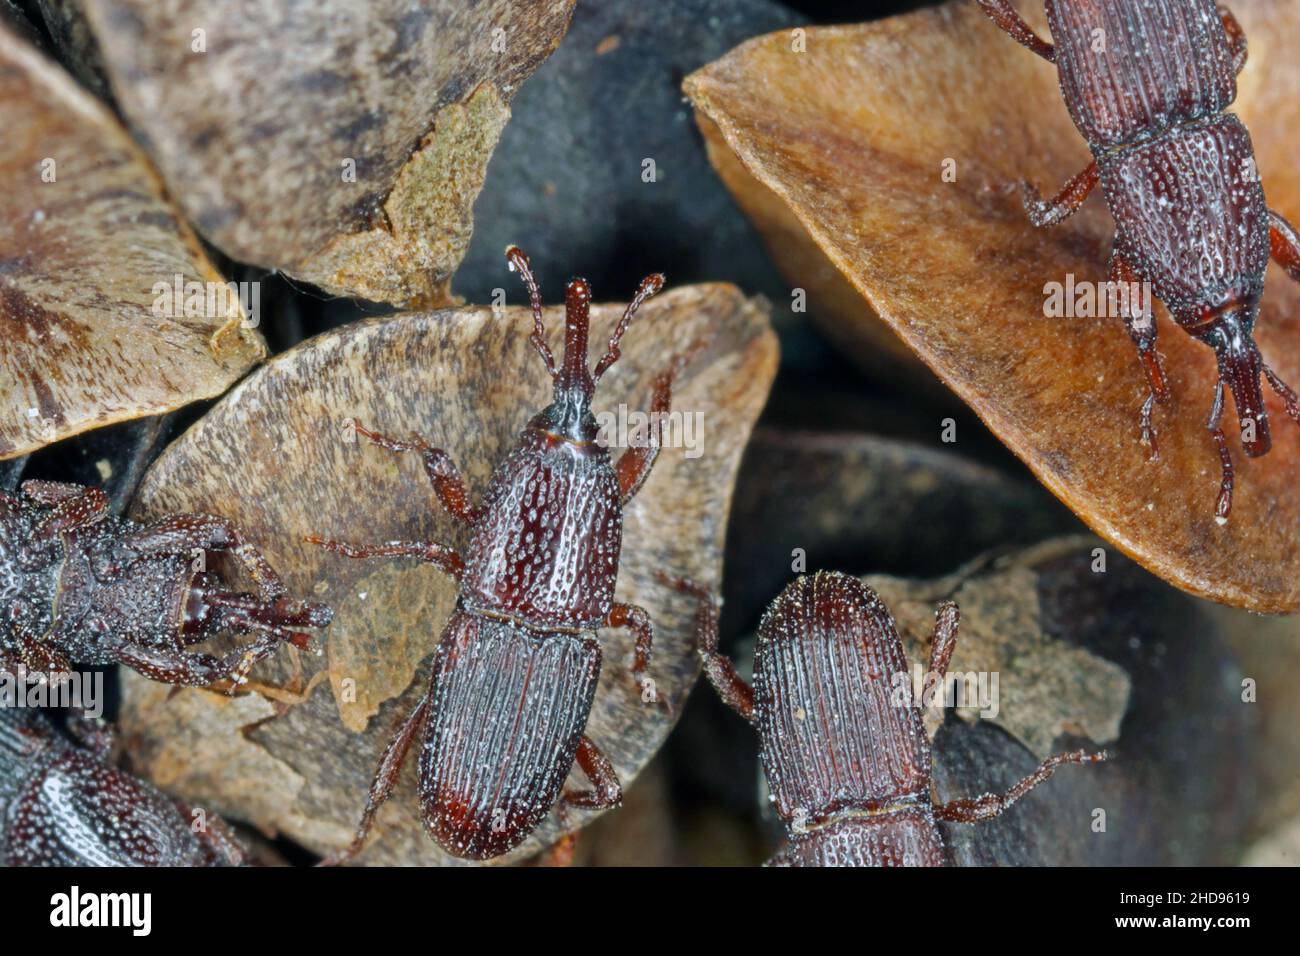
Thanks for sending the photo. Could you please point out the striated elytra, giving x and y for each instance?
(516, 669)
(847, 761)
(1147, 83)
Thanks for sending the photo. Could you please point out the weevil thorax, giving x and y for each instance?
(71, 809)
(838, 738)
(1131, 69)
(909, 837)
(546, 548)
(23, 741)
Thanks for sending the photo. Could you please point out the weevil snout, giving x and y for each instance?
(575, 382)
(1240, 369)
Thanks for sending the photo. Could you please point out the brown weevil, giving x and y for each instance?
(1147, 83)
(80, 585)
(847, 762)
(515, 672)
(63, 804)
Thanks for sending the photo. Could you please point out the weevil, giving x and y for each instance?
(80, 585)
(847, 760)
(1147, 83)
(62, 803)
(515, 672)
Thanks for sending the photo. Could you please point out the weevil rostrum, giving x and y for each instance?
(848, 765)
(1148, 83)
(515, 672)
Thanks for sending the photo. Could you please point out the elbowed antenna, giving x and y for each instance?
(650, 285)
(573, 374)
(519, 263)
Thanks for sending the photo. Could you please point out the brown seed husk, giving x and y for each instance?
(846, 143)
(81, 343)
(253, 133)
(273, 456)
(1047, 687)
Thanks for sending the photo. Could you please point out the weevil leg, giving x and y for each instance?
(192, 669)
(1142, 330)
(37, 656)
(1224, 505)
(385, 779)
(245, 622)
(1005, 16)
(284, 613)
(636, 620)
(75, 507)
(93, 733)
(52, 492)
(561, 852)
(442, 557)
(183, 534)
(1284, 244)
(443, 474)
(733, 690)
(1236, 39)
(947, 619)
(1050, 212)
(634, 465)
(975, 809)
(607, 792)
(215, 836)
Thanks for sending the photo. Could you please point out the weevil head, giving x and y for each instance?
(569, 416)
(1231, 334)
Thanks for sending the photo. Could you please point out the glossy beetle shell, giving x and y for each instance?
(509, 707)
(833, 736)
(62, 806)
(546, 548)
(1164, 62)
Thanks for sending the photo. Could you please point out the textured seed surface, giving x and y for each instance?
(849, 141)
(253, 133)
(468, 381)
(80, 342)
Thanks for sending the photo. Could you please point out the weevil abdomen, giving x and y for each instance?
(546, 549)
(509, 708)
(833, 733)
(904, 838)
(1129, 70)
(1190, 213)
